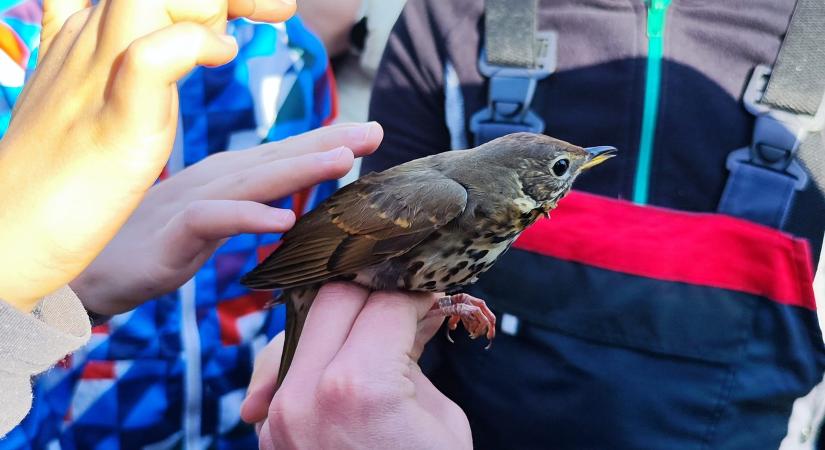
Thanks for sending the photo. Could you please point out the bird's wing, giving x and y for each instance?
(379, 216)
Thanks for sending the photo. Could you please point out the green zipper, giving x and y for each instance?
(656, 13)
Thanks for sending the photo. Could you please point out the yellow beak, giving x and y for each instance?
(598, 155)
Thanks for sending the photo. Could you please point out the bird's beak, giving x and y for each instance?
(598, 155)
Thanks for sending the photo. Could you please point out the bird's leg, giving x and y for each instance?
(470, 311)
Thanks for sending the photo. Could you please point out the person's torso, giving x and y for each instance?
(597, 94)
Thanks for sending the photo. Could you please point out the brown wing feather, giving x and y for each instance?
(379, 216)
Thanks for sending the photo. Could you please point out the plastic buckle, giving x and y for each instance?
(777, 134)
(511, 92)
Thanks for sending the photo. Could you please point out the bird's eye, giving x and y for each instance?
(560, 167)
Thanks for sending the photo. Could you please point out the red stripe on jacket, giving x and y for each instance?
(695, 248)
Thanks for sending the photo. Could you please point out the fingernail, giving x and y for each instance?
(281, 216)
(361, 133)
(332, 155)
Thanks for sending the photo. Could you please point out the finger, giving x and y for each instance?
(212, 220)
(279, 178)
(212, 13)
(361, 138)
(262, 10)
(265, 441)
(426, 330)
(326, 328)
(392, 316)
(152, 64)
(126, 20)
(55, 15)
(262, 385)
(204, 223)
(69, 38)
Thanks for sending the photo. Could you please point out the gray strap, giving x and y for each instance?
(797, 82)
(812, 156)
(510, 32)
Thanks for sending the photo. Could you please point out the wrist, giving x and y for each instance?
(23, 304)
(104, 293)
(91, 288)
(23, 280)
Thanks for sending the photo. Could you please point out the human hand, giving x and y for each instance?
(185, 218)
(95, 125)
(355, 381)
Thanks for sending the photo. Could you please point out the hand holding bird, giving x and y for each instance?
(356, 382)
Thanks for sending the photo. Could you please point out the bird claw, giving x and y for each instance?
(472, 312)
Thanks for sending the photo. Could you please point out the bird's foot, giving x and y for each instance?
(472, 312)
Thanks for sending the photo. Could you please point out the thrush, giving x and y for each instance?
(433, 224)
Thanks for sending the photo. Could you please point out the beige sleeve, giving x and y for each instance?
(31, 344)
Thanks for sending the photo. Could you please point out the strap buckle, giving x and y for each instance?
(777, 133)
(511, 91)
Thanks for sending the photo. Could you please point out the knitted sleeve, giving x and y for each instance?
(32, 343)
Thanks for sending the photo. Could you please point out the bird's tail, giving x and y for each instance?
(298, 300)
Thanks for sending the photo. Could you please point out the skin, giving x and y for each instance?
(95, 126)
(355, 382)
(185, 218)
(331, 21)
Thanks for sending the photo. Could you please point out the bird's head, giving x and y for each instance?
(547, 167)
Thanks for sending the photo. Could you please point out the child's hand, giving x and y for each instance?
(185, 218)
(95, 125)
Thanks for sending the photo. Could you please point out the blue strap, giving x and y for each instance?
(758, 194)
(765, 176)
(787, 102)
(487, 131)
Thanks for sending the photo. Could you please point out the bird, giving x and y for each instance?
(433, 224)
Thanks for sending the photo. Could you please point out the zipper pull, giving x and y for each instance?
(656, 10)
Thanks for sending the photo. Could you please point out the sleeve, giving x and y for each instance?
(31, 343)
(408, 92)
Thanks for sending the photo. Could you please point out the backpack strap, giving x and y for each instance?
(787, 102)
(514, 57)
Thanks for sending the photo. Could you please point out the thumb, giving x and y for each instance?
(262, 385)
(55, 14)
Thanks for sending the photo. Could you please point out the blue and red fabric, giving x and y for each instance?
(703, 324)
(173, 372)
